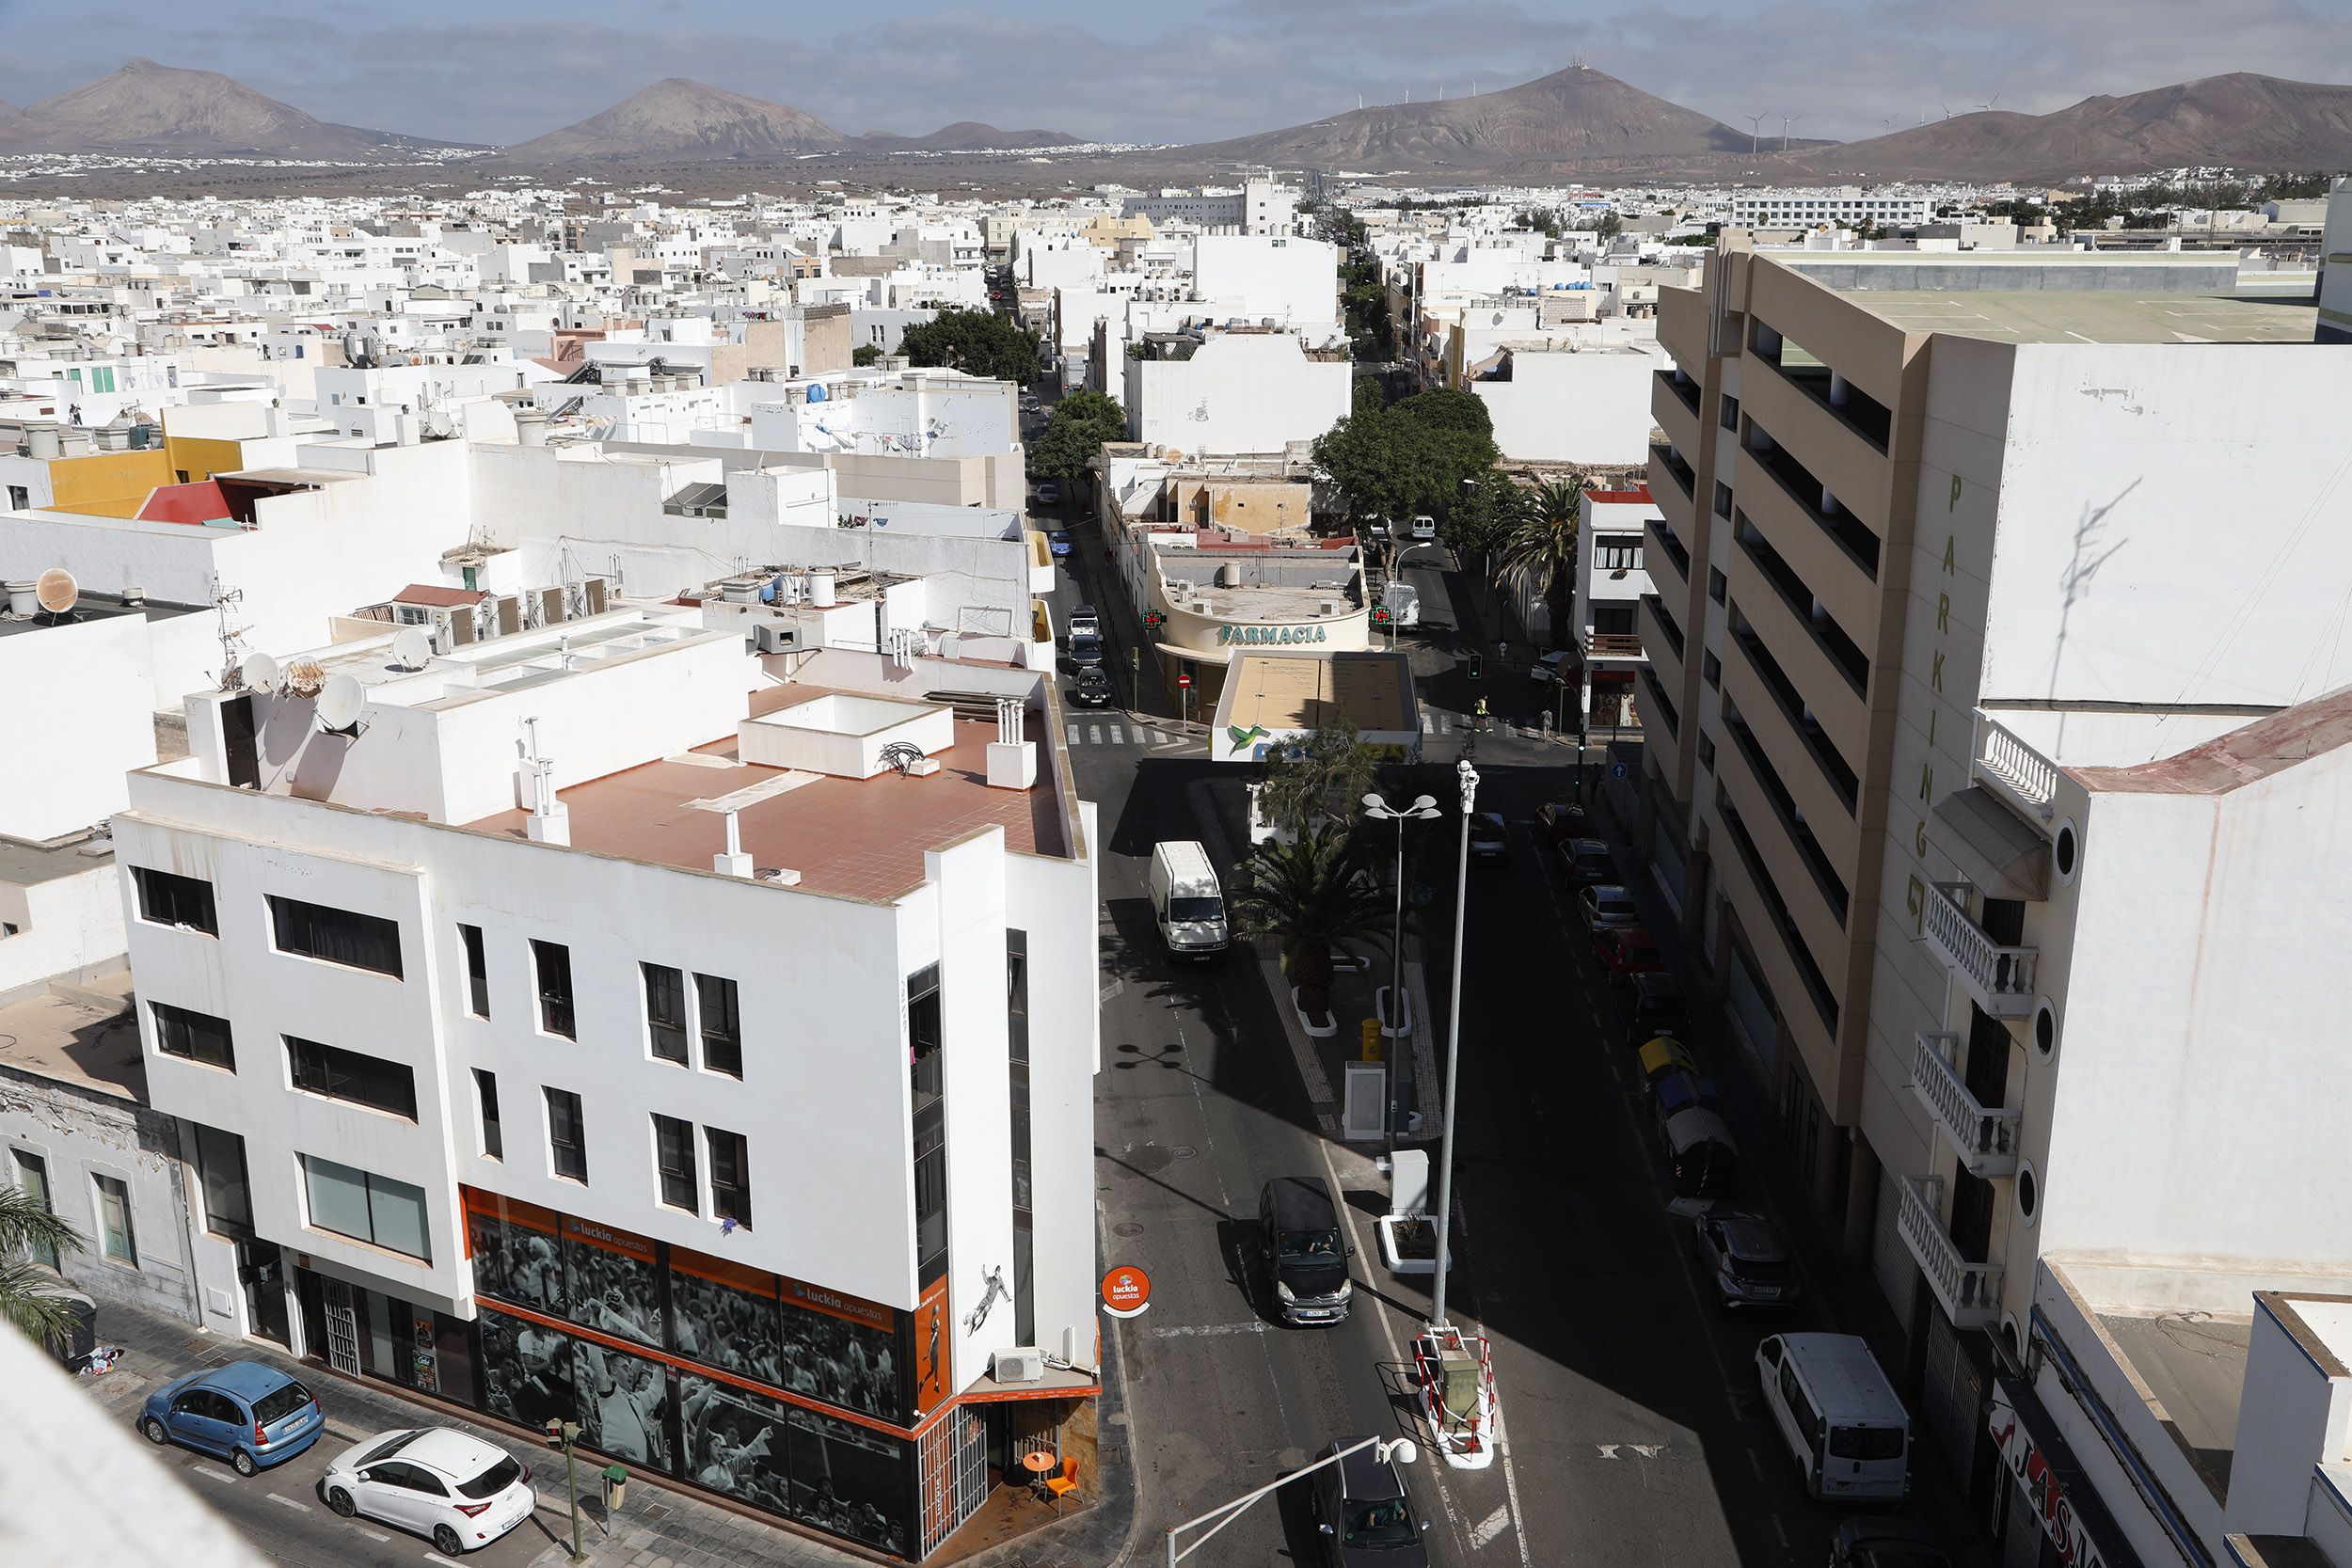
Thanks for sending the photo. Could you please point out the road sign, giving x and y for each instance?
(1616, 770)
(1184, 680)
(1126, 1291)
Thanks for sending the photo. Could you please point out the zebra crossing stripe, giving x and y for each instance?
(1428, 726)
(1094, 735)
(1119, 736)
(1073, 735)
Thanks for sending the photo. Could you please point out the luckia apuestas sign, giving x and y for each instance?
(1271, 634)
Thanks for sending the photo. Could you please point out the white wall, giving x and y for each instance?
(68, 927)
(78, 701)
(1588, 407)
(1239, 392)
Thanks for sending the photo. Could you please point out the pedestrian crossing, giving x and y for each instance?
(1128, 734)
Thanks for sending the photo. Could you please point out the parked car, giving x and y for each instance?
(1363, 1512)
(1424, 526)
(1662, 1057)
(1561, 820)
(1548, 669)
(1589, 861)
(1489, 836)
(1305, 1251)
(1057, 542)
(1048, 495)
(1084, 622)
(1092, 688)
(449, 1487)
(1656, 1008)
(1625, 951)
(1747, 1261)
(1840, 1417)
(1886, 1543)
(248, 1413)
(1085, 651)
(1605, 905)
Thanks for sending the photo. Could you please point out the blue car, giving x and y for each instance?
(249, 1413)
(1057, 542)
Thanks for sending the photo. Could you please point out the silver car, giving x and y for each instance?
(1605, 906)
(1747, 1261)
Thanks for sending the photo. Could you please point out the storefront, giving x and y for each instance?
(820, 1407)
(2046, 1511)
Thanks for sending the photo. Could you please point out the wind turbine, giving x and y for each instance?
(1785, 121)
(1988, 107)
(1890, 126)
(1754, 121)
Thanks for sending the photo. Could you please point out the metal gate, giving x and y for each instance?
(1951, 1403)
(342, 1328)
(954, 1461)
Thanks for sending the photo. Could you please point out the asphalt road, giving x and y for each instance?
(1633, 1432)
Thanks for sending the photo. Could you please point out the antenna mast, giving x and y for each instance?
(225, 600)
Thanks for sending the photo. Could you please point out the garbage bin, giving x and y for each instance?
(73, 1346)
(616, 1488)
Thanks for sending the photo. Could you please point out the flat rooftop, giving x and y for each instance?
(93, 606)
(1305, 691)
(2093, 315)
(2194, 1364)
(91, 1038)
(851, 838)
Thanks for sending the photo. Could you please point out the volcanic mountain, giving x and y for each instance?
(146, 107)
(969, 135)
(2240, 120)
(677, 119)
(1573, 116)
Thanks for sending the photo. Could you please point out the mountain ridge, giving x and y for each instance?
(677, 118)
(143, 107)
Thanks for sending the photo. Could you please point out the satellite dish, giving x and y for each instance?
(56, 591)
(260, 672)
(304, 677)
(411, 648)
(340, 700)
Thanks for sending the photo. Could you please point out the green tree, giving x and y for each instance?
(864, 355)
(1538, 560)
(1490, 509)
(1411, 458)
(1367, 395)
(1324, 775)
(978, 343)
(31, 1297)
(1611, 226)
(1309, 895)
(1074, 431)
(1454, 412)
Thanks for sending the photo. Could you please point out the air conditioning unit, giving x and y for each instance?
(1025, 1365)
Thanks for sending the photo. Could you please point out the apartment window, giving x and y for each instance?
(1711, 669)
(721, 1024)
(171, 899)
(1707, 752)
(114, 1220)
(568, 1139)
(1616, 552)
(1729, 415)
(730, 1176)
(477, 972)
(1017, 1054)
(336, 936)
(552, 962)
(193, 1036)
(1722, 499)
(366, 1206)
(925, 1039)
(221, 1171)
(1716, 585)
(674, 1158)
(665, 1011)
(32, 1175)
(353, 1077)
(486, 1090)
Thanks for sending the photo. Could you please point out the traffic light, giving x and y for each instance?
(1476, 667)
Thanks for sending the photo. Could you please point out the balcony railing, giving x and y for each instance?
(1666, 457)
(1987, 1140)
(2000, 978)
(1671, 547)
(1665, 623)
(2016, 769)
(1971, 1293)
(1612, 645)
(1686, 392)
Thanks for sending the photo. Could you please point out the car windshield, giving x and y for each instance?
(496, 1478)
(278, 1404)
(1381, 1524)
(388, 1448)
(1196, 909)
(1081, 647)
(1311, 1247)
(1866, 1442)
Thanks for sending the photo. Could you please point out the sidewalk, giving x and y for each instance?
(661, 1526)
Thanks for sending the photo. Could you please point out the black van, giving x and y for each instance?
(1306, 1255)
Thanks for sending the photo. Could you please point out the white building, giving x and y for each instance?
(1235, 392)
(1262, 207)
(698, 1072)
(1558, 399)
(1849, 204)
(1611, 583)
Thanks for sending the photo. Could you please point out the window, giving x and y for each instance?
(486, 1089)
(366, 1206)
(114, 1220)
(1707, 752)
(567, 1141)
(336, 936)
(553, 961)
(193, 1036)
(477, 972)
(1616, 552)
(1017, 1054)
(674, 1158)
(722, 1025)
(1711, 669)
(1716, 586)
(730, 1176)
(1722, 499)
(349, 1075)
(220, 1170)
(32, 1175)
(665, 1011)
(170, 899)
(1730, 413)
(925, 1039)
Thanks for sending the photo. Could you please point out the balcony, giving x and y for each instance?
(1807, 494)
(2000, 978)
(2027, 778)
(1986, 1140)
(1971, 1293)
(1666, 460)
(1664, 541)
(1611, 644)
(1686, 391)
(1665, 623)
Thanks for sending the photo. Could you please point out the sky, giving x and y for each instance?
(503, 74)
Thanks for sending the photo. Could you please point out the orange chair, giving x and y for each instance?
(1064, 1483)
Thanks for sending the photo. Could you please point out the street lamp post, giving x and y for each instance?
(562, 1434)
(1396, 574)
(1422, 809)
(1401, 1451)
(1452, 1050)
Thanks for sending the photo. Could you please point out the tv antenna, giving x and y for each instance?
(231, 635)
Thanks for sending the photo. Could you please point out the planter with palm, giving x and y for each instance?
(1538, 561)
(31, 1294)
(1310, 895)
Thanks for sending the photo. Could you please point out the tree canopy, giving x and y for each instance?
(1411, 458)
(1074, 431)
(978, 343)
(865, 353)
(1324, 775)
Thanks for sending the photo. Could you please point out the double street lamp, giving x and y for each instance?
(1400, 1450)
(1399, 1050)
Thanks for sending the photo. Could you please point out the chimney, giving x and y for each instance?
(732, 861)
(530, 427)
(1011, 760)
(551, 820)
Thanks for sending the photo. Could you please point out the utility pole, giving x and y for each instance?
(563, 1433)
(1452, 1050)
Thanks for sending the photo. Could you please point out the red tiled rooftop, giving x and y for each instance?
(854, 838)
(431, 596)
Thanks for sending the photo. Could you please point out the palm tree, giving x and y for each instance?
(1538, 561)
(30, 1294)
(1327, 773)
(1312, 895)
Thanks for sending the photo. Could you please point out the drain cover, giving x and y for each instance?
(1186, 1151)
(1127, 1228)
(656, 1514)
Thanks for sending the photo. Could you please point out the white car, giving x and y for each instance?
(447, 1485)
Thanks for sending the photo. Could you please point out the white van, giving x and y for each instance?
(1186, 900)
(1404, 602)
(1839, 1415)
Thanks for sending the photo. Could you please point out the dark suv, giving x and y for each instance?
(1362, 1515)
(1306, 1256)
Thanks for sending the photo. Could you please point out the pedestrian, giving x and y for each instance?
(1482, 713)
